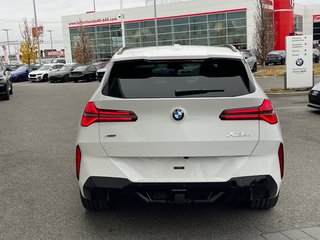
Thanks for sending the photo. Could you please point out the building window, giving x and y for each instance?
(206, 29)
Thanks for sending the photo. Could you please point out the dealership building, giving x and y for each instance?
(189, 22)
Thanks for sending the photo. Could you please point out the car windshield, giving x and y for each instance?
(178, 78)
(22, 69)
(81, 68)
(245, 54)
(44, 67)
(65, 68)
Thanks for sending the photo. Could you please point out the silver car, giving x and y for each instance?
(250, 59)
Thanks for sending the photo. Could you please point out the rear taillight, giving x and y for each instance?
(78, 161)
(281, 159)
(93, 114)
(264, 112)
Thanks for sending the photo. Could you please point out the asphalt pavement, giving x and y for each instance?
(272, 82)
(39, 196)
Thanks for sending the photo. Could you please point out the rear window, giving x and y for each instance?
(178, 78)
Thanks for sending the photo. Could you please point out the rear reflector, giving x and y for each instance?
(78, 161)
(92, 114)
(264, 112)
(281, 159)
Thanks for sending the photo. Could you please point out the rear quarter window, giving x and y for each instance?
(178, 79)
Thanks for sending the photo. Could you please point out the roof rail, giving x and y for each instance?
(121, 50)
(233, 48)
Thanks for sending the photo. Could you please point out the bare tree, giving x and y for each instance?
(28, 46)
(83, 52)
(263, 40)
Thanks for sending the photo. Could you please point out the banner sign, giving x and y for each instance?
(37, 31)
(268, 4)
(299, 61)
(316, 18)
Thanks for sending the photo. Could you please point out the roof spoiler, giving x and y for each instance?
(121, 50)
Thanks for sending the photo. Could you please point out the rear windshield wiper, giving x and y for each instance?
(195, 91)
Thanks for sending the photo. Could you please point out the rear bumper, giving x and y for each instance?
(78, 78)
(274, 61)
(314, 99)
(241, 188)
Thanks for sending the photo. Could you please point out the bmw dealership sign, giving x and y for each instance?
(299, 61)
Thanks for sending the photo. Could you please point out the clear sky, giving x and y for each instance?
(50, 12)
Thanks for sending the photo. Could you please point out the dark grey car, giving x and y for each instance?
(250, 59)
(5, 82)
(276, 57)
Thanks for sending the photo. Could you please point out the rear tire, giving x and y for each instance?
(11, 90)
(7, 95)
(95, 205)
(264, 203)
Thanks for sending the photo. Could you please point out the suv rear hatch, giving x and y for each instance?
(202, 89)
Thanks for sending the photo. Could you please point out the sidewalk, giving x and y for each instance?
(276, 81)
(311, 233)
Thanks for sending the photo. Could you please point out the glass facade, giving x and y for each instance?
(298, 23)
(206, 29)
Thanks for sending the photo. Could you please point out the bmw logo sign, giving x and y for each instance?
(299, 62)
(178, 114)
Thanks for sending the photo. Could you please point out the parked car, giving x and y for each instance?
(63, 75)
(314, 97)
(87, 73)
(12, 66)
(100, 73)
(58, 60)
(100, 65)
(276, 57)
(250, 59)
(5, 83)
(21, 74)
(42, 74)
(179, 124)
(316, 55)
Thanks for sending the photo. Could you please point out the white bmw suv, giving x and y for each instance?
(42, 74)
(179, 124)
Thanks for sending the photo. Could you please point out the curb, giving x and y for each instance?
(287, 93)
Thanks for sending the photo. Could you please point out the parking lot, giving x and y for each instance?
(39, 197)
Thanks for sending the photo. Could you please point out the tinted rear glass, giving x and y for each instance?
(163, 79)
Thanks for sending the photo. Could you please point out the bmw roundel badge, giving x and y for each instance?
(299, 62)
(178, 114)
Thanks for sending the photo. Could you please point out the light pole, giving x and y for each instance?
(94, 5)
(50, 31)
(122, 25)
(155, 20)
(37, 33)
(8, 42)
